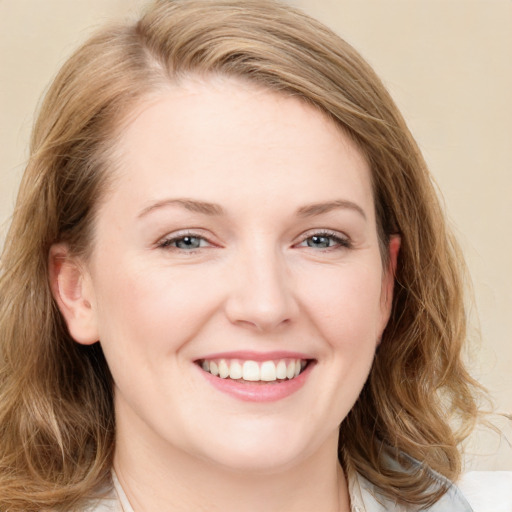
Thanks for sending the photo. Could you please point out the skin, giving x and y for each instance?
(258, 281)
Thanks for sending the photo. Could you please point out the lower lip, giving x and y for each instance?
(259, 392)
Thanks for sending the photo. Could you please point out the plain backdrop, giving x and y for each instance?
(447, 63)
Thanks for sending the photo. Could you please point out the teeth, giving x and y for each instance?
(268, 371)
(235, 370)
(281, 370)
(223, 369)
(214, 369)
(290, 370)
(252, 371)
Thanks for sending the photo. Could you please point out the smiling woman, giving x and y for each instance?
(246, 281)
(228, 277)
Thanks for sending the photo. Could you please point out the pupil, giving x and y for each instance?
(188, 242)
(319, 241)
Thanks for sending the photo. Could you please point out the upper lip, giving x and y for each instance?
(248, 355)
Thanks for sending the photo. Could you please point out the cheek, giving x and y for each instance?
(151, 310)
(347, 313)
(346, 305)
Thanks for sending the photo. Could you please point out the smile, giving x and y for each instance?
(255, 376)
(254, 371)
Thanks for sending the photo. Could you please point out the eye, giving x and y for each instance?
(188, 242)
(325, 240)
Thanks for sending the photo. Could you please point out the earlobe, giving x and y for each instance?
(72, 290)
(394, 249)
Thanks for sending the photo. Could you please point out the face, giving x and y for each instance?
(237, 249)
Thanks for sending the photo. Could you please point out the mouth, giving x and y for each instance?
(251, 371)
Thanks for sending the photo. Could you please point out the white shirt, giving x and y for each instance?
(477, 491)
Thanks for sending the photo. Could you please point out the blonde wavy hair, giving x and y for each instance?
(57, 431)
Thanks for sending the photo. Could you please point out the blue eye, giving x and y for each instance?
(325, 241)
(184, 242)
(188, 242)
(321, 242)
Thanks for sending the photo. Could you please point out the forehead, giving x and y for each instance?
(256, 143)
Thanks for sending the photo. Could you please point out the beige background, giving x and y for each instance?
(448, 64)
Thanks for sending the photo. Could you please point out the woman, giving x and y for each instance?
(225, 246)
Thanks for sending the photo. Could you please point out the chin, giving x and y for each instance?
(260, 463)
(266, 453)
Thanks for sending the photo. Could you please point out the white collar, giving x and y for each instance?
(364, 497)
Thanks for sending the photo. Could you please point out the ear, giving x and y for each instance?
(72, 290)
(388, 280)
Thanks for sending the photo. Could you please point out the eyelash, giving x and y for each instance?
(340, 242)
(166, 243)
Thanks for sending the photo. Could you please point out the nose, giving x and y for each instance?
(261, 295)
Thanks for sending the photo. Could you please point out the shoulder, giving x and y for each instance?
(366, 497)
(113, 499)
(487, 491)
(476, 491)
(108, 503)
(103, 505)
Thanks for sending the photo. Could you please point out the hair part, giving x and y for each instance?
(56, 405)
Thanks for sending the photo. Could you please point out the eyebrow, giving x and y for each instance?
(189, 204)
(206, 208)
(310, 210)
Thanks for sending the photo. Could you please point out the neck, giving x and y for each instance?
(170, 480)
